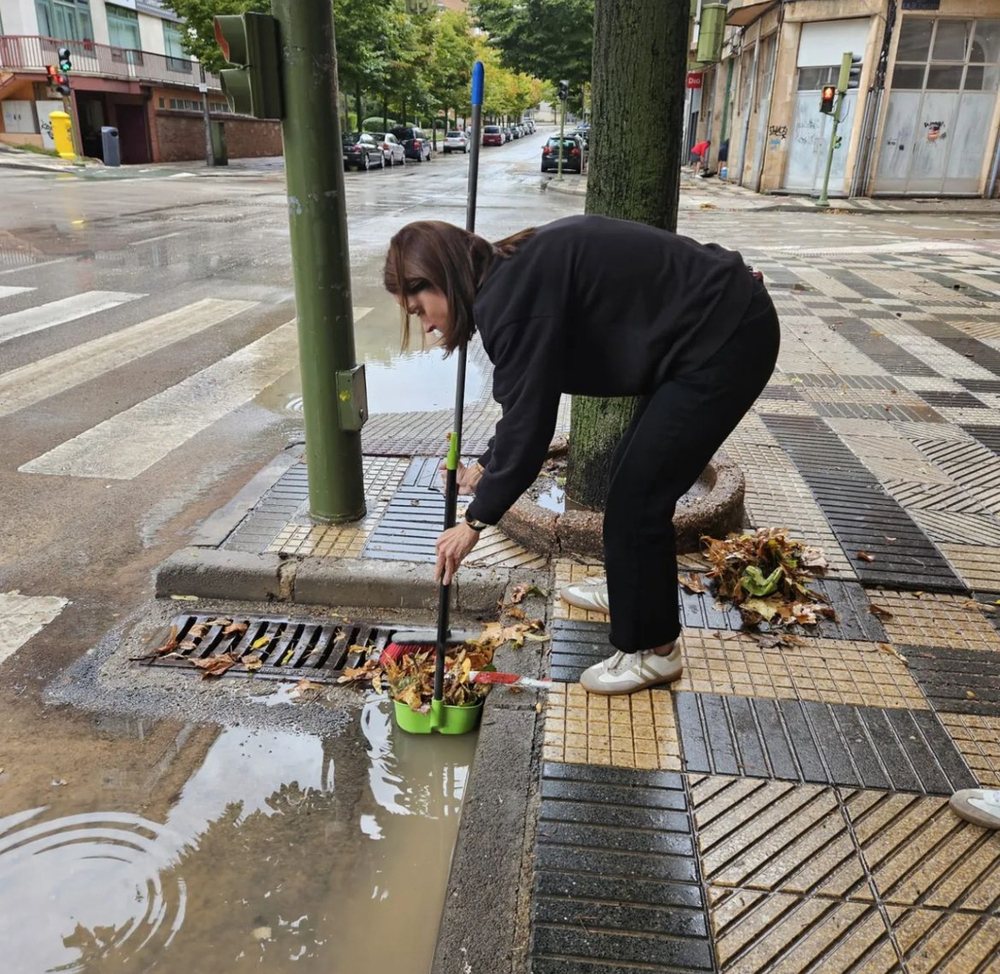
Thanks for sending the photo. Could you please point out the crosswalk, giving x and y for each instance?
(123, 445)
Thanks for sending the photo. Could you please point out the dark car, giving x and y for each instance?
(583, 135)
(573, 154)
(492, 135)
(416, 142)
(363, 152)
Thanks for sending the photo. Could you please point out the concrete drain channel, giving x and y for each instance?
(289, 649)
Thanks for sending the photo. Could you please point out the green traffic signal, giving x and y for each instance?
(250, 41)
(65, 63)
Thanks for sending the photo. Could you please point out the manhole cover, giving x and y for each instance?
(289, 649)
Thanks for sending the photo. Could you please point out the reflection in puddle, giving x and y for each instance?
(280, 852)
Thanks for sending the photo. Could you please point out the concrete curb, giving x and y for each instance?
(248, 577)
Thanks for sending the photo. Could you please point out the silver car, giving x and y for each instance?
(456, 141)
(392, 148)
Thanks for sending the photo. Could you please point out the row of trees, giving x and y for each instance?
(398, 59)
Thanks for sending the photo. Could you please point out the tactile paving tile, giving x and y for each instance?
(775, 836)
(977, 565)
(616, 874)
(862, 515)
(409, 434)
(989, 436)
(952, 400)
(949, 621)
(977, 736)
(970, 465)
(963, 681)
(566, 572)
(895, 468)
(921, 495)
(872, 747)
(880, 348)
(760, 933)
(919, 853)
(947, 528)
(939, 940)
(838, 380)
(822, 670)
(634, 731)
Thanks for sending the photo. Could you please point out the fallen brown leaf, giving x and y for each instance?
(879, 612)
(970, 695)
(235, 629)
(199, 630)
(890, 650)
(865, 556)
(377, 683)
(514, 612)
(213, 666)
(252, 662)
(692, 582)
(219, 622)
(305, 686)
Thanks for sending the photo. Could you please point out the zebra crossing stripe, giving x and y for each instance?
(125, 445)
(54, 374)
(9, 292)
(59, 312)
(22, 616)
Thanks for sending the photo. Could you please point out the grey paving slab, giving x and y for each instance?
(616, 884)
(867, 747)
(960, 681)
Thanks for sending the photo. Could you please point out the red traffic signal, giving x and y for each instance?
(57, 79)
(827, 99)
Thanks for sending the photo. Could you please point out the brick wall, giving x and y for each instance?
(180, 136)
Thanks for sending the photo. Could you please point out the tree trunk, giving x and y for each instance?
(640, 60)
(357, 106)
(385, 115)
(404, 122)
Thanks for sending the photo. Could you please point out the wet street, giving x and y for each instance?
(148, 369)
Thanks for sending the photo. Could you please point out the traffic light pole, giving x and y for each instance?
(824, 199)
(562, 135)
(317, 217)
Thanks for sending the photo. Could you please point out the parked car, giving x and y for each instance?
(492, 135)
(515, 130)
(573, 154)
(583, 136)
(392, 148)
(456, 141)
(416, 142)
(363, 151)
(508, 134)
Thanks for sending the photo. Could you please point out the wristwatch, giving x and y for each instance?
(474, 524)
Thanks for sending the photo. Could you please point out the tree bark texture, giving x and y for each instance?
(640, 63)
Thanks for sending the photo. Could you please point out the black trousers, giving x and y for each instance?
(673, 435)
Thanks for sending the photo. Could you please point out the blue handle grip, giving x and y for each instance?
(477, 83)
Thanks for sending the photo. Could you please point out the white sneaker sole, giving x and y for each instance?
(961, 806)
(592, 684)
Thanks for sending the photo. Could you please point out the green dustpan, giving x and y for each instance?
(442, 718)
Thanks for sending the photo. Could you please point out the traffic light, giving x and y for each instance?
(65, 64)
(563, 90)
(59, 81)
(850, 72)
(250, 41)
(826, 103)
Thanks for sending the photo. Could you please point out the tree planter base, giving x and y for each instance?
(716, 508)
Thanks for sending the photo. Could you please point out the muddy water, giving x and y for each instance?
(231, 849)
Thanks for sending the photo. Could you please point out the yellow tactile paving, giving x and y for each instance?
(958, 943)
(775, 835)
(786, 934)
(919, 853)
(636, 731)
(566, 572)
(496, 550)
(978, 738)
(382, 477)
(978, 565)
(945, 621)
(824, 670)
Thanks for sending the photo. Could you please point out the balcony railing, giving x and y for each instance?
(33, 53)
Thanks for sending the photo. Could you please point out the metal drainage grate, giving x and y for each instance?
(295, 648)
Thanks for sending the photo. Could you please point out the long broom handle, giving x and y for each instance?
(455, 442)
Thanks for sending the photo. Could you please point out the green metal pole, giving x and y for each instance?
(824, 200)
(562, 135)
(317, 218)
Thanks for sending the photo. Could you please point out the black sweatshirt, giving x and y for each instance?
(594, 307)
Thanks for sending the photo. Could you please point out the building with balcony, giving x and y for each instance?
(924, 120)
(129, 72)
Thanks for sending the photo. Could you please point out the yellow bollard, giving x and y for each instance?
(62, 134)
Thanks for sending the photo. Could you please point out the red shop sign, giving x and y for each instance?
(694, 79)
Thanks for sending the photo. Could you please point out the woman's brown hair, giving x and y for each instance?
(432, 253)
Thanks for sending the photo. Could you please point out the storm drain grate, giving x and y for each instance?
(289, 649)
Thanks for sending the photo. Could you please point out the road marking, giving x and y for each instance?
(125, 445)
(56, 373)
(59, 312)
(9, 292)
(22, 616)
(162, 236)
(359, 313)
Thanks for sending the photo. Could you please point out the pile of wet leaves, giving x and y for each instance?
(766, 575)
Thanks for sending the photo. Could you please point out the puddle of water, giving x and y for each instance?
(553, 499)
(279, 852)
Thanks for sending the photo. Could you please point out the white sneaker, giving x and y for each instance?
(977, 805)
(628, 672)
(592, 594)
